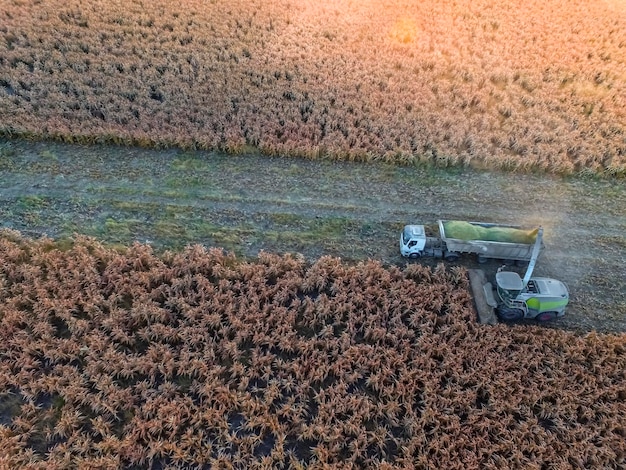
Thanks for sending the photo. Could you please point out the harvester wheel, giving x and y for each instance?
(546, 316)
(510, 314)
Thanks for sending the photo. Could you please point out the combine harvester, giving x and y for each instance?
(513, 298)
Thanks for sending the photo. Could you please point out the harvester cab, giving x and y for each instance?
(540, 298)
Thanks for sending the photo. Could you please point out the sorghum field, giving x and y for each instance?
(196, 359)
(127, 357)
(535, 85)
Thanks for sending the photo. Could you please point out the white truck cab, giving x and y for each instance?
(413, 241)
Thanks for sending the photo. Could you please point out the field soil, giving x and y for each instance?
(171, 198)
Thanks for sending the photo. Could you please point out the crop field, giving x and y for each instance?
(176, 294)
(527, 86)
(197, 359)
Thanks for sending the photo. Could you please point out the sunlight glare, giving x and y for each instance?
(404, 31)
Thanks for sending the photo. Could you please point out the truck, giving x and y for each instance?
(486, 240)
(512, 298)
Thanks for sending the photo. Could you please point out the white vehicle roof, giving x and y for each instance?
(414, 231)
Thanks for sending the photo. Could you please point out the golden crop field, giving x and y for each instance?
(196, 359)
(124, 358)
(529, 86)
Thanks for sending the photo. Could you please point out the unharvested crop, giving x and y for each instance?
(516, 85)
(197, 359)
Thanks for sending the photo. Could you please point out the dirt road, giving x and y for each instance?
(248, 203)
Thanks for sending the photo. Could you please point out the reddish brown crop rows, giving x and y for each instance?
(199, 360)
(538, 84)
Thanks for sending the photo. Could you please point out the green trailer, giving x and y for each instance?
(485, 240)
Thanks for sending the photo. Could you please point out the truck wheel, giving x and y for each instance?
(509, 314)
(482, 259)
(451, 257)
(546, 316)
(415, 255)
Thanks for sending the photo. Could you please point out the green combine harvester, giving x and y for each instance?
(540, 298)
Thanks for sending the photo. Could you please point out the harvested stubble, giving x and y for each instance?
(121, 358)
(535, 85)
